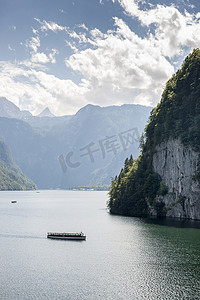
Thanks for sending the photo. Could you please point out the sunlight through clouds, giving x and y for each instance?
(112, 66)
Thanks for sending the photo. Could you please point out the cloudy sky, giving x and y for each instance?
(65, 54)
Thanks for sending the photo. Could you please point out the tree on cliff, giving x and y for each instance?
(177, 115)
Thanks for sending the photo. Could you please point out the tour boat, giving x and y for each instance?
(66, 235)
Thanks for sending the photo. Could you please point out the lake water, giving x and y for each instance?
(122, 258)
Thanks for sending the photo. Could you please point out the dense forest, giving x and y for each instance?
(176, 116)
(11, 177)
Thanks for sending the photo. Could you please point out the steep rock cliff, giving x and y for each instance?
(165, 179)
(177, 165)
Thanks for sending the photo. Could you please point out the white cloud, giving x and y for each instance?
(116, 66)
(120, 66)
(35, 31)
(32, 65)
(45, 26)
(96, 33)
(10, 48)
(62, 11)
(72, 46)
(173, 30)
(81, 37)
(83, 26)
(52, 56)
(40, 58)
(33, 44)
(123, 67)
(130, 7)
(30, 86)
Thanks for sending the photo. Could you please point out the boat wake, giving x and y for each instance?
(20, 236)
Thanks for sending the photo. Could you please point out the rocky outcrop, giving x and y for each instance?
(177, 165)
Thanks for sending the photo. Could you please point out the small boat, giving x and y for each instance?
(14, 201)
(66, 235)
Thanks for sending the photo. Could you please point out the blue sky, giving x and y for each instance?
(65, 54)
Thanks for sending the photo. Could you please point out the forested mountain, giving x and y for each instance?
(83, 149)
(164, 179)
(11, 177)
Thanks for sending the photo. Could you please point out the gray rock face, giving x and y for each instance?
(177, 164)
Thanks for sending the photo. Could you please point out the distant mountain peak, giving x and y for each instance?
(46, 113)
(89, 108)
(9, 110)
(8, 105)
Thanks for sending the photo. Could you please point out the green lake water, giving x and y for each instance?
(122, 258)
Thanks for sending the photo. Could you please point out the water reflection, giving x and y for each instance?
(176, 222)
(165, 260)
(122, 258)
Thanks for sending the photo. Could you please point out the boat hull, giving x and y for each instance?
(67, 238)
